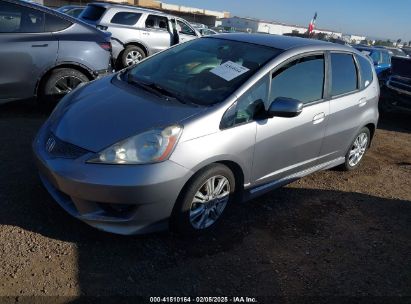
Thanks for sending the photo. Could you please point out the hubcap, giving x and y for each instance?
(358, 149)
(209, 202)
(133, 57)
(66, 84)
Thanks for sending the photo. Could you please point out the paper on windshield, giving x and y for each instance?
(229, 70)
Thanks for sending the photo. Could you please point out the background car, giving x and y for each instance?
(140, 32)
(407, 50)
(381, 59)
(47, 53)
(71, 10)
(177, 138)
(396, 94)
(397, 52)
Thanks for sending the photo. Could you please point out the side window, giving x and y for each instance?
(344, 74)
(20, 19)
(245, 108)
(125, 18)
(366, 71)
(157, 22)
(183, 28)
(55, 24)
(386, 59)
(301, 79)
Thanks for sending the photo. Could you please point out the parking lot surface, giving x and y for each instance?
(330, 234)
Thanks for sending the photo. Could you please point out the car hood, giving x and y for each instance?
(108, 110)
(401, 66)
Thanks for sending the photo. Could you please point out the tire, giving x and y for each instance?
(191, 217)
(131, 55)
(59, 83)
(359, 147)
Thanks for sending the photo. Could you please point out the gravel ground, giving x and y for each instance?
(330, 234)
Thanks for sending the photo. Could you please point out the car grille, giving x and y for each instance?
(55, 147)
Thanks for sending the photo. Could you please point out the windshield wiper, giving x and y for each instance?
(154, 88)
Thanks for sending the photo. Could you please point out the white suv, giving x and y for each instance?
(139, 32)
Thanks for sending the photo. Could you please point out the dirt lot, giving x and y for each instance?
(329, 234)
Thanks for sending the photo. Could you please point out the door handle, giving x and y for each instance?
(40, 45)
(318, 118)
(362, 101)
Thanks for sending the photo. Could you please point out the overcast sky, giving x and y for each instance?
(376, 18)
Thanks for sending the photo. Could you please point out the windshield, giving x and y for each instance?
(398, 52)
(203, 71)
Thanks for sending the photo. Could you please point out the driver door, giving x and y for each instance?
(285, 146)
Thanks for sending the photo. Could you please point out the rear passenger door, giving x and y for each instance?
(347, 104)
(26, 49)
(157, 35)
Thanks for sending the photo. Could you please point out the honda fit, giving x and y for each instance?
(177, 138)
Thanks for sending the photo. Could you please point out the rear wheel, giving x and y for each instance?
(357, 150)
(132, 55)
(204, 200)
(61, 82)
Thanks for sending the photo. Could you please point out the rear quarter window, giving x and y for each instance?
(93, 12)
(55, 24)
(365, 70)
(344, 74)
(125, 18)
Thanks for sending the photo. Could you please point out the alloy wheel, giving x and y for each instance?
(358, 149)
(209, 202)
(133, 57)
(66, 84)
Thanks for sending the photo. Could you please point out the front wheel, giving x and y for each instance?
(357, 150)
(204, 200)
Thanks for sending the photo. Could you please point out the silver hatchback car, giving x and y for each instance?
(175, 139)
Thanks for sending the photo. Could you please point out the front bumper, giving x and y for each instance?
(122, 199)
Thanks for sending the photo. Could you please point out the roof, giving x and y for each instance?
(277, 41)
(126, 6)
(370, 48)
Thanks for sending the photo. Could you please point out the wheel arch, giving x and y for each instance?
(68, 65)
(138, 44)
(232, 165)
(371, 127)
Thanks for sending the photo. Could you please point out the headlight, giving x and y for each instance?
(148, 147)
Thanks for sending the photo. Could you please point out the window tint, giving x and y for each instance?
(344, 74)
(93, 12)
(302, 79)
(157, 22)
(183, 28)
(386, 59)
(55, 24)
(366, 71)
(125, 18)
(249, 104)
(20, 19)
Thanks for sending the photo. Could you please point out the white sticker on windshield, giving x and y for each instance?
(229, 70)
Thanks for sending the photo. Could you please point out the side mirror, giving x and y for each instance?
(285, 107)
